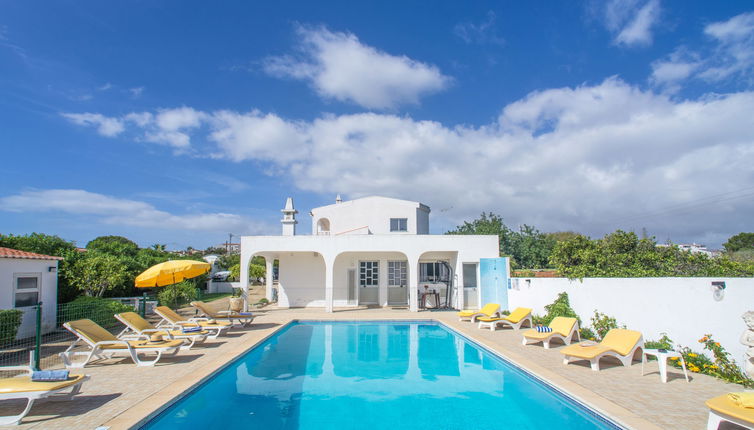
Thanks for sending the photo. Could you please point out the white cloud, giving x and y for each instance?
(136, 91)
(729, 55)
(338, 66)
(106, 126)
(631, 21)
(590, 158)
(117, 211)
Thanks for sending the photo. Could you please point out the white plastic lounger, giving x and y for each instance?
(172, 319)
(244, 318)
(490, 310)
(22, 387)
(723, 408)
(563, 328)
(516, 319)
(139, 328)
(102, 345)
(619, 343)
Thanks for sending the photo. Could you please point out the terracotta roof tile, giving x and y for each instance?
(14, 253)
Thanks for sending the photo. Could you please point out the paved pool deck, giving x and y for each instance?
(121, 395)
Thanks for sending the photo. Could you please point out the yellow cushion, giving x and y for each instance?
(134, 321)
(489, 309)
(745, 399)
(91, 330)
(533, 334)
(491, 319)
(518, 314)
(621, 340)
(563, 325)
(585, 352)
(24, 384)
(146, 344)
(725, 406)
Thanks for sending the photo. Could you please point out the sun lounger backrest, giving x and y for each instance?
(490, 309)
(562, 325)
(134, 321)
(204, 308)
(168, 314)
(90, 330)
(621, 340)
(518, 314)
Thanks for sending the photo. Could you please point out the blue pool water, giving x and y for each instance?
(373, 375)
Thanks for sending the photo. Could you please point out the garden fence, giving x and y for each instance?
(48, 341)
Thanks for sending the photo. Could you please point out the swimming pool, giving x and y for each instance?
(373, 375)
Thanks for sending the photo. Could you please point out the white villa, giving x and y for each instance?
(376, 251)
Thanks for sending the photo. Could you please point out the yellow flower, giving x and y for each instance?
(692, 355)
(717, 344)
(674, 358)
(714, 367)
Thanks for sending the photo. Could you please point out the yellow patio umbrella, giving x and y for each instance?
(171, 272)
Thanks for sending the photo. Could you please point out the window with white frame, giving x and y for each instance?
(369, 273)
(26, 289)
(396, 273)
(469, 275)
(398, 224)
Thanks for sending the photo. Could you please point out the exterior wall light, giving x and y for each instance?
(718, 290)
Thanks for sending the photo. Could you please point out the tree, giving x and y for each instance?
(39, 243)
(739, 242)
(98, 273)
(114, 245)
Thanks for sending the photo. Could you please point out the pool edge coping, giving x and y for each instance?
(590, 400)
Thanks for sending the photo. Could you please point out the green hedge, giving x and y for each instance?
(10, 320)
(96, 309)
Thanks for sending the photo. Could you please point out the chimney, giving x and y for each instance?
(289, 218)
(338, 199)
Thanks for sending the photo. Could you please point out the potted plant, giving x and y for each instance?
(236, 301)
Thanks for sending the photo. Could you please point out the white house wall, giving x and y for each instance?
(414, 247)
(374, 212)
(684, 308)
(301, 278)
(48, 294)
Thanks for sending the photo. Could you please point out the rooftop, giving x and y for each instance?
(14, 253)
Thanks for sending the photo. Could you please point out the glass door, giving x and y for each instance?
(369, 276)
(470, 286)
(397, 283)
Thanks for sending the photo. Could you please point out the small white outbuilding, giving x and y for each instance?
(27, 278)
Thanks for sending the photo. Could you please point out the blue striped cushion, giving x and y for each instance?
(543, 329)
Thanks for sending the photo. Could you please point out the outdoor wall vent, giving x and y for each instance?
(52, 269)
(718, 290)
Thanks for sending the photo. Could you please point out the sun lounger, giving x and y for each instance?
(139, 328)
(723, 408)
(516, 319)
(102, 344)
(563, 328)
(489, 310)
(22, 387)
(619, 343)
(171, 318)
(243, 319)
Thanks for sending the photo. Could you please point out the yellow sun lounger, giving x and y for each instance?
(22, 387)
(489, 310)
(102, 344)
(171, 318)
(206, 310)
(723, 408)
(619, 343)
(516, 319)
(139, 328)
(563, 328)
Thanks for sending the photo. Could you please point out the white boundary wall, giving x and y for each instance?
(684, 308)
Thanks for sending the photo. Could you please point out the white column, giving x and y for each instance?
(413, 283)
(329, 262)
(268, 277)
(245, 259)
(382, 284)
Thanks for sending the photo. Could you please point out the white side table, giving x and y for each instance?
(662, 359)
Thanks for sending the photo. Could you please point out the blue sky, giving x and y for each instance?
(180, 122)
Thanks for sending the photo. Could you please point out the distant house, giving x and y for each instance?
(27, 278)
(375, 251)
(695, 248)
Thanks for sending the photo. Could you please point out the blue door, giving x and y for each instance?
(493, 274)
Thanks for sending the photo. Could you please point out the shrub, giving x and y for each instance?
(10, 321)
(586, 333)
(561, 307)
(602, 324)
(96, 309)
(177, 294)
